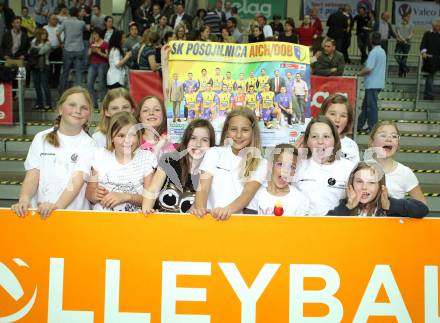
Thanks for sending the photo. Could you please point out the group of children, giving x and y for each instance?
(130, 165)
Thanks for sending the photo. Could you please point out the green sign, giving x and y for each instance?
(248, 9)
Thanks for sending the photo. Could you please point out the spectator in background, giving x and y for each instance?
(337, 24)
(180, 16)
(73, 29)
(316, 22)
(231, 25)
(277, 26)
(84, 15)
(60, 5)
(28, 23)
(306, 33)
(331, 62)
(41, 13)
(133, 37)
(168, 9)
(56, 52)
(63, 15)
(7, 15)
(267, 29)
(162, 27)
(155, 14)
(198, 20)
(234, 13)
(385, 29)
(181, 32)
(404, 33)
(15, 43)
(143, 16)
(168, 37)
(374, 72)
(146, 55)
(256, 34)
(430, 50)
(226, 36)
(97, 19)
(289, 35)
(117, 71)
(213, 21)
(98, 56)
(228, 9)
(362, 20)
(219, 11)
(347, 33)
(203, 34)
(109, 29)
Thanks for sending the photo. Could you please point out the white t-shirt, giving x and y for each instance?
(293, 203)
(57, 165)
(350, 150)
(324, 185)
(400, 181)
(100, 138)
(128, 178)
(115, 74)
(226, 186)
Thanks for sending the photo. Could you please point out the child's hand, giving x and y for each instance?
(352, 198)
(384, 199)
(45, 209)
(221, 213)
(148, 212)
(21, 208)
(199, 212)
(110, 200)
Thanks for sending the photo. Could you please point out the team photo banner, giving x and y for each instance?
(119, 267)
(209, 80)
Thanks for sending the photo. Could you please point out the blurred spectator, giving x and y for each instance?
(155, 14)
(134, 4)
(203, 33)
(168, 37)
(109, 29)
(180, 16)
(227, 36)
(306, 33)
(330, 62)
(213, 20)
(73, 29)
(362, 20)
(98, 56)
(7, 15)
(383, 26)
(430, 50)
(60, 5)
(56, 52)
(256, 34)
(198, 21)
(232, 27)
(117, 71)
(316, 22)
(404, 33)
(63, 15)
(347, 32)
(97, 19)
(219, 11)
(228, 9)
(15, 43)
(276, 25)
(168, 9)
(337, 25)
(133, 37)
(267, 30)
(146, 54)
(181, 32)
(289, 32)
(41, 13)
(143, 16)
(39, 50)
(84, 15)
(234, 12)
(162, 27)
(28, 23)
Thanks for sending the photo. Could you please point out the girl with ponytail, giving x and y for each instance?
(59, 160)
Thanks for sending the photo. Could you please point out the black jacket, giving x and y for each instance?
(337, 25)
(408, 207)
(431, 43)
(6, 47)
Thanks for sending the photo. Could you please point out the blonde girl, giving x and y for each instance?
(338, 109)
(232, 174)
(59, 159)
(384, 143)
(116, 100)
(280, 197)
(367, 195)
(120, 171)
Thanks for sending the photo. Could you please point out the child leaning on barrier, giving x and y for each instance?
(367, 195)
(59, 159)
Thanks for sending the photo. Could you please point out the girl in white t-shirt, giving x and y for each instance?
(384, 143)
(279, 197)
(320, 174)
(232, 174)
(116, 100)
(338, 109)
(59, 159)
(120, 171)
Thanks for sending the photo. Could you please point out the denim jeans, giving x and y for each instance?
(429, 85)
(369, 109)
(401, 51)
(71, 60)
(41, 84)
(97, 71)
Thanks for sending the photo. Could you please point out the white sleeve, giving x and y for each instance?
(87, 158)
(33, 159)
(210, 160)
(411, 180)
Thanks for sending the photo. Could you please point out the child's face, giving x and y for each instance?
(151, 113)
(366, 185)
(386, 139)
(283, 170)
(240, 131)
(125, 141)
(75, 111)
(118, 105)
(321, 141)
(337, 113)
(198, 143)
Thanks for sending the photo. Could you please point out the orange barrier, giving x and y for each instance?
(143, 83)
(119, 267)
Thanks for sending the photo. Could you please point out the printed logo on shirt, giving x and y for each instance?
(47, 154)
(228, 170)
(331, 181)
(74, 158)
(335, 184)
